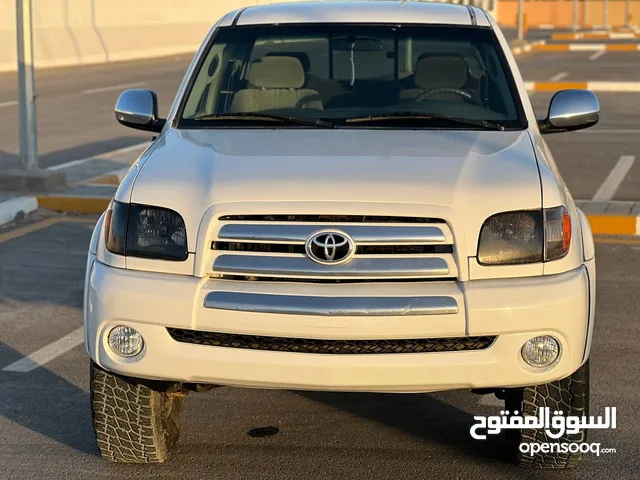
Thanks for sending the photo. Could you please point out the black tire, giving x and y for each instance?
(571, 396)
(133, 422)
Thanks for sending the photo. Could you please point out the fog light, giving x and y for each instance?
(125, 341)
(541, 351)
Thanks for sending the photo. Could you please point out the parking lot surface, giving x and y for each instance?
(45, 420)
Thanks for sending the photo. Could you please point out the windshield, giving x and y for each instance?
(353, 76)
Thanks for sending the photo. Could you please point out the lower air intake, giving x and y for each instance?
(337, 347)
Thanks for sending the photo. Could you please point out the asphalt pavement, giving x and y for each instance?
(45, 420)
(75, 108)
(45, 423)
(581, 66)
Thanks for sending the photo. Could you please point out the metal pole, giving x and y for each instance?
(520, 19)
(26, 87)
(605, 20)
(626, 13)
(575, 15)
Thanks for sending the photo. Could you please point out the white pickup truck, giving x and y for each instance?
(345, 196)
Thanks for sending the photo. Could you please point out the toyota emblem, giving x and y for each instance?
(330, 247)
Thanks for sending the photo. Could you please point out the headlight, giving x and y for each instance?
(145, 231)
(513, 238)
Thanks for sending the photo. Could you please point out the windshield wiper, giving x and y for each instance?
(416, 116)
(257, 116)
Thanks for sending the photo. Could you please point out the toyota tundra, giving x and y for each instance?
(345, 196)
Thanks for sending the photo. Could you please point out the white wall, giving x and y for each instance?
(77, 32)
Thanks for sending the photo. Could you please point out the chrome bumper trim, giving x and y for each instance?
(331, 306)
(359, 267)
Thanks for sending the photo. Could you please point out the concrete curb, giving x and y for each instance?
(614, 224)
(526, 48)
(595, 35)
(588, 47)
(112, 178)
(74, 204)
(17, 206)
(594, 86)
(589, 28)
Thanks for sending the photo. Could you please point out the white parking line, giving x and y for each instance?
(83, 160)
(597, 55)
(48, 353)
(8, 104)
(559, 76)
(609, 187)
(588, 47)
(123, 86)
(68, 164)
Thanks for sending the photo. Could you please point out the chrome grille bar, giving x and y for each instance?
(328, 218)
(299, 266)
(361, 234)
(331, 306)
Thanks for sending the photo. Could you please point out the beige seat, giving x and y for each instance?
(435, 72)
(275, 82)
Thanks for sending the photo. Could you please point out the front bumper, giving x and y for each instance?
(513, 309)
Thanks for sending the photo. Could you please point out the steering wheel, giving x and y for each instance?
(438, 91)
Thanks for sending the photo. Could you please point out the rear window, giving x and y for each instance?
(339, 72)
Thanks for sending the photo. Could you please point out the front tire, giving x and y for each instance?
(571, 396)
(133, 422)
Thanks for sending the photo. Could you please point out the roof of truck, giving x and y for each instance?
(358, 11)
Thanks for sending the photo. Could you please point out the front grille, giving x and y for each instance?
(403, 249)
(380, 247)
(257, 247)
(331, 347)
(332, 281)
(360, 250)
(329, 218)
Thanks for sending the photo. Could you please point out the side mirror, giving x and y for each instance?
(571, 110)
(139, 109)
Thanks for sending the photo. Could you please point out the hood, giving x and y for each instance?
(462, 176)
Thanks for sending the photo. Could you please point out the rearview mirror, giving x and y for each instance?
(571, 110)
(139, 109)
(357, 44)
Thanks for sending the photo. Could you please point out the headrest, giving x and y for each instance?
(276, 72)
(302, 56)
(436, 71)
